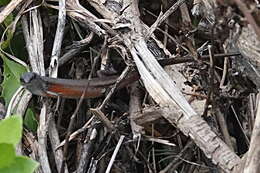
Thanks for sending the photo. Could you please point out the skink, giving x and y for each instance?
(69, 88)
(96, 87)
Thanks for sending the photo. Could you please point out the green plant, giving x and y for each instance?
(10, 136)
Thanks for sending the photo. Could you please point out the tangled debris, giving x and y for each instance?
(192, 106)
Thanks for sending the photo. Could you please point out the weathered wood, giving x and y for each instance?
(166, 94)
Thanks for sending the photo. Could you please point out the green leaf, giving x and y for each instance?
(13, 42)
(7, 155)
(12, 70)
(21, 165)
(17, 47)
(29, 120)
(4, 2)
(10, 135)
(9, 33)
(12, 73)
(11, 130)
(8, 20)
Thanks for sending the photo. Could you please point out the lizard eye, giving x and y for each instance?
(27, 77)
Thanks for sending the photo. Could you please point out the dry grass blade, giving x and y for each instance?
(9, 8)
(252, 161)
